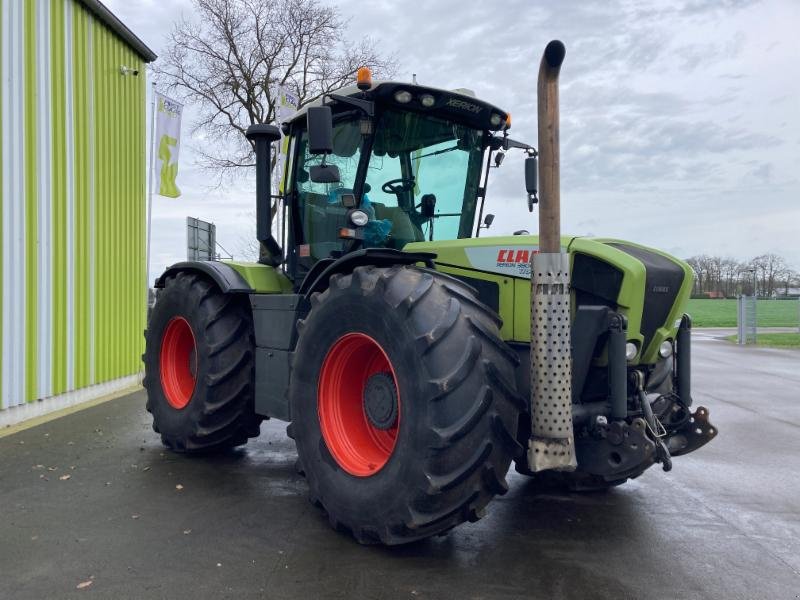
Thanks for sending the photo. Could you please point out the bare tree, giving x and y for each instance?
(730, 273)
(771, 269)
(767, 275)
(229, 57)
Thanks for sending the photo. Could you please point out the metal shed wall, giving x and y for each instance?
(73, 202)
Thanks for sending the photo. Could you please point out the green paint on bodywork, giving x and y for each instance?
(262, 278)
(515, 291)
(452, 251)
(635, 297)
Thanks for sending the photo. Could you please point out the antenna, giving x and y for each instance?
(414, 78)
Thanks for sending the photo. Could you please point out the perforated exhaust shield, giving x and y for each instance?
(552, 445)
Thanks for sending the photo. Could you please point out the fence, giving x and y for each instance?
(747, 319)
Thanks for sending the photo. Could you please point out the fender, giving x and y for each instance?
(317, 278)
(225, 276)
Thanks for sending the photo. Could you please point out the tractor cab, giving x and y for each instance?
(382, 166)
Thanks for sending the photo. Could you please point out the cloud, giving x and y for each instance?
(679, 118)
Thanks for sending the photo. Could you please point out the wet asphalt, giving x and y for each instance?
(135, 521)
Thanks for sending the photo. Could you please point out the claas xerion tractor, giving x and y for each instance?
(413, 358)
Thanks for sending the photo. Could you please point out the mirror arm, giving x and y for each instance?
(509, 143)
(482, 189)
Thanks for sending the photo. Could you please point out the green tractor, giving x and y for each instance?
(413, 358)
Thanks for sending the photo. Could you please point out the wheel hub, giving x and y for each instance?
(178, 363)
(380, 400)
(359, 405)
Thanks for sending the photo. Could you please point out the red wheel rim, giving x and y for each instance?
(356, 444)
(178, 362)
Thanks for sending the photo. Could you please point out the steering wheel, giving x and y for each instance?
(399, 185)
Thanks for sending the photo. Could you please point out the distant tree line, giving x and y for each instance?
(719, 277)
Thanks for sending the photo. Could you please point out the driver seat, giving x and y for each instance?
(403, 228)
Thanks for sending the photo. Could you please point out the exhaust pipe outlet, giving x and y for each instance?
(552, 443)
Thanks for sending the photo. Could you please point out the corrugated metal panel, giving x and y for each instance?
(13, 114)
(58, 178)
(31, 201)
(73, 177)
(81, 60)
(119, 190)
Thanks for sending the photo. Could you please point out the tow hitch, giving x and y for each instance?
(696, 432)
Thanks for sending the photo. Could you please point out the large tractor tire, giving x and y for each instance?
(198, 361)
(403, 403)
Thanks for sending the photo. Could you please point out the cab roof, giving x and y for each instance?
(459, 105)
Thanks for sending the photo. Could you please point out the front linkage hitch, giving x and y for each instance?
(625, 443)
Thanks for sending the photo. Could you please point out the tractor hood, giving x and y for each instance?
(648, 286)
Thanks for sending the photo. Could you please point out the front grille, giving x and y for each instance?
(662, 284)
(594, 281)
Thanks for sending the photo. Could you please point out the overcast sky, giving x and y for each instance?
(680, 119)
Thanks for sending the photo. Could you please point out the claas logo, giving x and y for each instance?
(512, 256)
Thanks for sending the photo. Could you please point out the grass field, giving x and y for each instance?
(722, 313)
(774, 340)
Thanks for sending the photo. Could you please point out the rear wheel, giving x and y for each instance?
(199, 366)
(403, 402)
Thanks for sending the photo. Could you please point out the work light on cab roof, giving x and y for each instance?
(364, 78)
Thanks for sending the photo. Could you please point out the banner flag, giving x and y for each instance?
(285, 106)
(168, 143)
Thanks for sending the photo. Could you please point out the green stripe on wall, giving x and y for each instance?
(2, 400)
(101, 227)
(59, 183)
(31, 204)
(82, 174)
(119, 196)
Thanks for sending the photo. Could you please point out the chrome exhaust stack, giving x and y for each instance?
(552, 443)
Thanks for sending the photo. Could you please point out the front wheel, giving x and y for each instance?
(403, 404)
(198, 363)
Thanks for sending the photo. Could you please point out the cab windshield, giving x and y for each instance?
(414, 161)
(418, 160)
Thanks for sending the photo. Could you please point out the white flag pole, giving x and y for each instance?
(150, 182)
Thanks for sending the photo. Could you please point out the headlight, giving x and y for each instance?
(402, 96)
(359, 218)
(495, 120)
(631, 351)
(427, 100)
(665, 349)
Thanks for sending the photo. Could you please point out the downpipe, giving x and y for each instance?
(552, 442)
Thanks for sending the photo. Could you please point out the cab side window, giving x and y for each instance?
(320, 209)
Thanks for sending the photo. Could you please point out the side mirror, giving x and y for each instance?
(428, 207)
(487, 222)
(531, 175)
(531, 181)
(319, 120)
(324, 174)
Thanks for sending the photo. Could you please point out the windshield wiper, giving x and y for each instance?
(435, 153)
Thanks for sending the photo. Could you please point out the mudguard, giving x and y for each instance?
(225, 276)
(317, 279)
